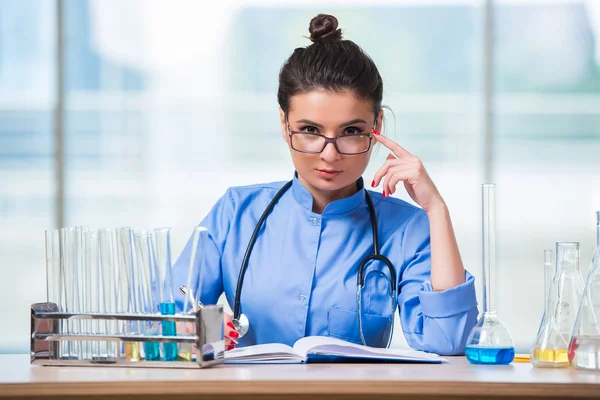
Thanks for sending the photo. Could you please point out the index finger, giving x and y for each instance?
(398, 150)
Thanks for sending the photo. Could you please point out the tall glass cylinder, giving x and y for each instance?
(489, 341)
(489, 247)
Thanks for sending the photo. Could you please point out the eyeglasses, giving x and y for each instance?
(313, 143)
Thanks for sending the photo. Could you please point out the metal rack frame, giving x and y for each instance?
(47, 337)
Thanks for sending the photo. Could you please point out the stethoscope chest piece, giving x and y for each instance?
(241, 325)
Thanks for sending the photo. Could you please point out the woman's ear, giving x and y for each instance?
(283, 122)
(379, 121)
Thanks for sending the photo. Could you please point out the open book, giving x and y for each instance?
(324, 349)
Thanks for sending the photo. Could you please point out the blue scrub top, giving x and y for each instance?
(302, 274)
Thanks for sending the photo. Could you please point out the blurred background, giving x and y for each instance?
(165, 104)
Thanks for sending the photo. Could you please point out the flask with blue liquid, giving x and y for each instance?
(489, 341)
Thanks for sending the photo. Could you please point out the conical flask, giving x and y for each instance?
(548, 275)
(489, 341)
(551, 343)
(584, 348)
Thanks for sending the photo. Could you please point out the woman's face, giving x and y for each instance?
(331, 114)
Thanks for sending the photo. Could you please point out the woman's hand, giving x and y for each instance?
(447, 269)
(230, 333)
(406, 167)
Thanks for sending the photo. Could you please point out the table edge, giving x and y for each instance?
(300, 387)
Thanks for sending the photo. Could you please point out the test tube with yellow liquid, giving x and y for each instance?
(129, 300)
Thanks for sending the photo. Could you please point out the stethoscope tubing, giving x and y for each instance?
(241, 321)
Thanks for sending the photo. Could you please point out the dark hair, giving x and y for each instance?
(329, 63)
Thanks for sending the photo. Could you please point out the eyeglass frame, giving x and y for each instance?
(329, 140)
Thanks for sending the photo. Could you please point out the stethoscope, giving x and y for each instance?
(240, 321)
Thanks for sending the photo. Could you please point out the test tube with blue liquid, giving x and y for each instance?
(489, 341)
(165, 289)
(147, 278)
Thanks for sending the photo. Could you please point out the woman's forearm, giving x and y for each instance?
(447, 270)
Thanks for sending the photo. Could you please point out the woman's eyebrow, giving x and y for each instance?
(354, 121)
(309, 122)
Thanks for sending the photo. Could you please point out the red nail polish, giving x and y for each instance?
(230, 346)
(230, 324)
(384, 194)
(376, 133)
(373, 183)
(234, 335)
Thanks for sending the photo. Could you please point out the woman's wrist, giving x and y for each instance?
(437, 209)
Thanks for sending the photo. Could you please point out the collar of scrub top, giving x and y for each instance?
(341, 206)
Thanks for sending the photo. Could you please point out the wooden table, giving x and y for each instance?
(457, 379)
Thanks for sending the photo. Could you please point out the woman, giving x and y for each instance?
(301, 278)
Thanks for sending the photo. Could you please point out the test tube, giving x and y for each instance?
(52, 266)
(128, 290)
(145, 263)
(109, 296)
(165, 289)
(67, 255)
(95, 294)
(53, 284)
(189, 304)
(81, 282)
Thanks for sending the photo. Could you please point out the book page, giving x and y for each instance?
(270, 351)
(333, 346)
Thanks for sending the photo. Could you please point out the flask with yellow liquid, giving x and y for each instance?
(563, 291)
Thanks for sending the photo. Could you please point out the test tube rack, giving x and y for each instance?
(48, 335)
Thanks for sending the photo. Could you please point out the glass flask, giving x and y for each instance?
(549, 271)
(489, 341)
(548, 276)
(584, 348)
(551, 344)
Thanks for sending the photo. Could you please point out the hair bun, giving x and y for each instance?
(324, 26)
